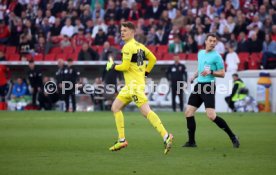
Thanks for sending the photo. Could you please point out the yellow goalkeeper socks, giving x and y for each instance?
(157, 124)
(119, 119)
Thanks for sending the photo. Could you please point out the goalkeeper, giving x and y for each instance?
(135, 70)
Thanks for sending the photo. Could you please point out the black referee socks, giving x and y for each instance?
(191, 125)
(223, 125)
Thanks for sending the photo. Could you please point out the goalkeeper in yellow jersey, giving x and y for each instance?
(135, 70)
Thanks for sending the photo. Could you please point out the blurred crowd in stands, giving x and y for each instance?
(38, 26)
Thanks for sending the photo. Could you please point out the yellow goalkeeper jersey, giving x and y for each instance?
(133, 64)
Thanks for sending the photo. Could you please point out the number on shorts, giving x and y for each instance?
(135, 98)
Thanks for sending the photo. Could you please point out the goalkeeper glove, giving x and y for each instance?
(146, 74)
(110, 64)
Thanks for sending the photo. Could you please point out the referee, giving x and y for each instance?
(210, 65)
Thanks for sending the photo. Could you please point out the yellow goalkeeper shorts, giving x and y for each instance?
(128, 94)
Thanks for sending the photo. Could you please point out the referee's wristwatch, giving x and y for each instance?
(212, 72)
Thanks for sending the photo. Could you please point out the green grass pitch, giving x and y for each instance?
(56, 143)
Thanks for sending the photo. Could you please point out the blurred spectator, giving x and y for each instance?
(40, 47)
(87, 53)
(255, 22)
(151, 37)
(98, 12)
(154, 11)
(240, 25)
(220, 48)
(273, 32)
(200, 37)
(79, 39)
(3, 8)
(140, 37)
(180, 21)
(177, 46)
(109, 50)
(171, 11)
(267, 25)
(262, 13)
(254, 44)
(175, 31)
(4, 78)
(100, 37)
(232, 60)
(112, 28)
(110, 12)
(242, 43)
(99, 25)
(16, 31)
(50, 17)
(89, 27)
(134, 13)
(269, 50)
(228, 25)
(68, 29)
(218, 7)
(65, 42)
(160, 37)
(4, 32)
(55, 31)
(2, 56)
(233, 41)
(35, 80)
(191, 45)
(26, 45)
(78, 25)
(123, 11)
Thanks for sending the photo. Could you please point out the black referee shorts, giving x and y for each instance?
(203, 92)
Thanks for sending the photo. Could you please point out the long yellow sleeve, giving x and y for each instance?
(152, 61)
(124, 66)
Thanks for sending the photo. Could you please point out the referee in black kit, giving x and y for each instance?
(210, 65)
(177, 72)
(70, 74)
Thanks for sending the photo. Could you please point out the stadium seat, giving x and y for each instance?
(159, 56)
(11, 50)
(62, 56)
(68, 50)
(98, 49)
(38, 57)
(152, 48)
(243, 56)
(254, 61)
(77, 49)
(50, 57)
(56, 50)
(74, 56)
(162, 49)
(168, 56)
(192, 57)
(111, 40)
(2, 48)
(182, 56)
(13, 57)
